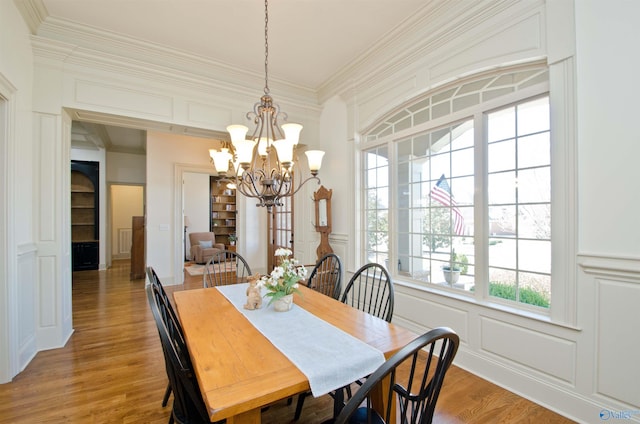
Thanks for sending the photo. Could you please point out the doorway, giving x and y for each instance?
(127, 201)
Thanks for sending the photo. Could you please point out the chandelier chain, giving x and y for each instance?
(266, 47)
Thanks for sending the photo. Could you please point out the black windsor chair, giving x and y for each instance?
(414, 393)
(225, 267)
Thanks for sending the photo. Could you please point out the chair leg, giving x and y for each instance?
(166, 395)
(301, 397)
(338, 400)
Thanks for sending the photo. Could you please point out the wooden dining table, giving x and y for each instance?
(239, 371)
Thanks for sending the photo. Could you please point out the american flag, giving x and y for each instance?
(441, 192)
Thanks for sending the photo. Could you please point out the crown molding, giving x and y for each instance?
(158, 65)
(437, 25)
(88, 46)
(33, 12)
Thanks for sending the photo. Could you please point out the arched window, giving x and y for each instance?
(457, 188)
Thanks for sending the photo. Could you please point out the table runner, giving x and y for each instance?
(326, 355)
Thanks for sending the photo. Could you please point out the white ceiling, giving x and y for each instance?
(309, 40)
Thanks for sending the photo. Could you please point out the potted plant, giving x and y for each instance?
(452, 271)
(283, 281)
(232, 239)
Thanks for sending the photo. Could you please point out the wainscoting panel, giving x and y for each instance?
(553, 356)
(424, 313)
(614, 285)
(27, 302)
(46, 128)
(522, 39)
(618, 340)
(115, 96)
(211, 116)
(47, 291)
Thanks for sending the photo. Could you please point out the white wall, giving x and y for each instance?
(609, 246)
(126, 202)
(336, 175)
(585, 361)
(18, 281)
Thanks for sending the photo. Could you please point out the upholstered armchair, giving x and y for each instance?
(204, 246)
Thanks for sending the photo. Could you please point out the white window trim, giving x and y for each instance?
(563, 194)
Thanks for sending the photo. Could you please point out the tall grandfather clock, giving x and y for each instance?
(322, 199)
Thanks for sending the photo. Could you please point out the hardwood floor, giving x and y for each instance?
(112, 370)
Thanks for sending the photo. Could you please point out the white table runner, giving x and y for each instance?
(326, 355)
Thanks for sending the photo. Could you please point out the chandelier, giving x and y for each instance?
(264, 165)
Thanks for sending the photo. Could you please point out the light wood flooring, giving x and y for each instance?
(112, 370)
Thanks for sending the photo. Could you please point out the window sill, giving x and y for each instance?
(468, 297)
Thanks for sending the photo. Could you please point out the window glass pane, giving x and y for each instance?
(462, 163)
(534, 221)
(382, 177)
(418, 196)
(533, 116)
(535, 289)
(502, 156)
(502, 188)
(534, 150)
(370, 160)
(383, 157)
(404, 150)
(383, 197)
(467, 220)
(421, 145)
(464, 190)
(502, 125)
(403, 173)
(534, 255)
(372, 224)
(440, 165)
(462, 136)
(502, 283)
(502, 220)
(370, 178)
(502, 253)
(404, 196)
(534, 185)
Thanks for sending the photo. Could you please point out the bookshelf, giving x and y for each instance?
(223, 211)
(84, 215)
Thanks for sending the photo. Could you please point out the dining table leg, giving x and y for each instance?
(380, 397)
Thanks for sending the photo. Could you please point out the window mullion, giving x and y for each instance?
(481, 210)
